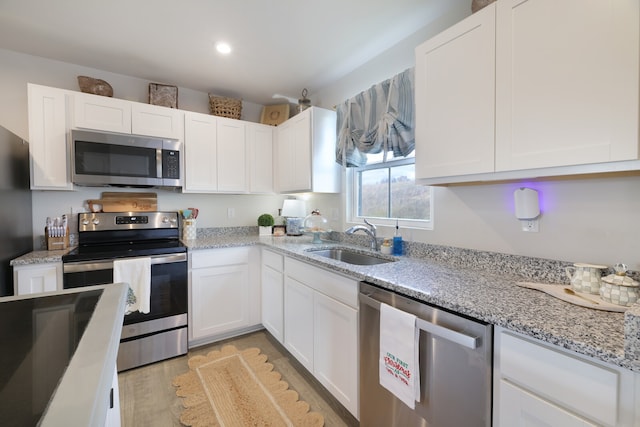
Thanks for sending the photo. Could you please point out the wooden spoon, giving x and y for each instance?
(571, 292)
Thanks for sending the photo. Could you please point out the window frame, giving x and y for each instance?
(353, 193)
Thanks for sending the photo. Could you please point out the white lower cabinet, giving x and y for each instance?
(273, 293)
(298, 318)
(539, 384)
(520, 407)
(37, 278)
(321, 327)
(224, 293)
(113, 410)
(335, 351)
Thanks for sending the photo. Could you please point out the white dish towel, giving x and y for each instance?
(137, 273)
(399, 362)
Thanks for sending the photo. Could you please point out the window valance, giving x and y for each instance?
(378, 120)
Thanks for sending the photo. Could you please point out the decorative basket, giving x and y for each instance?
(225, 107)
(95, 86)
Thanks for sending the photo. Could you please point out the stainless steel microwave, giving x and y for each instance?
(104, 158)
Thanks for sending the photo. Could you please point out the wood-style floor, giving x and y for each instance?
(147, 397)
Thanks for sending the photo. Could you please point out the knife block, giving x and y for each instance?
(57, 243)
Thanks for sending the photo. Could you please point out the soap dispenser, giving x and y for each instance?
(397, 241)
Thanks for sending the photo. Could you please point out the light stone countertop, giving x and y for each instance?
(477, 284)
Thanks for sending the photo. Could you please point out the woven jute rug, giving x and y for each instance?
(232, 388)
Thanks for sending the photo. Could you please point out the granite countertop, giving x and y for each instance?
(475, 284)
(492, 297)
(39, 257)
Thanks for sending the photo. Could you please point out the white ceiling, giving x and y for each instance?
(280, 46)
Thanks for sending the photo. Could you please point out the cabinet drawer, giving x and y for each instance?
(218, 257)
(273, 260)
(334, 285)
(579, 385)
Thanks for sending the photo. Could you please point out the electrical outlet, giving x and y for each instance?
(231, 212)
(529, 225)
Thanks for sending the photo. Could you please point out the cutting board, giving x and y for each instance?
(125, 202)
(581, 299)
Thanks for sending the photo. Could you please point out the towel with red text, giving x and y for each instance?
(399, 363)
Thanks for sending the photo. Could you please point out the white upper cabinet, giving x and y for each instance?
(455, 99)
(215, 154)
(232, 153)
(566, 94)
(154, 120)
(118, 115)
(200, 153)
(294, 154)
(260, 157)
(305, 154)
(101, 113)
(48, 138)
(567, 74)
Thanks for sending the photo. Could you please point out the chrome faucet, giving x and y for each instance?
(370, 230)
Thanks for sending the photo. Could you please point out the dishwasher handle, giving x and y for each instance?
(436, 330)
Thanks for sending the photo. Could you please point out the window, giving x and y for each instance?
(377, 121)
(385, 191)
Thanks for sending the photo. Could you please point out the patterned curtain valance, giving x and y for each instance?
(378, 120)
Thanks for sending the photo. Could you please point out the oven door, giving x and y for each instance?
(169, 289)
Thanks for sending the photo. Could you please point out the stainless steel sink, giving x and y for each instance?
(351, 257)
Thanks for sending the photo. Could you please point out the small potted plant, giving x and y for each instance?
(265, 224)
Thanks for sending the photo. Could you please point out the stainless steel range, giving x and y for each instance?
(103, 237)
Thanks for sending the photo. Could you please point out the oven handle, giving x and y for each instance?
(82, 266)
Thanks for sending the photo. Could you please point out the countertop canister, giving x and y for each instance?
(618, 288)
(585, 277)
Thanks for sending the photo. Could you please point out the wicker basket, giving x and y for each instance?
(225, 107)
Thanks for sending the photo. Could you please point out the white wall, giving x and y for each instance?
(588, 220)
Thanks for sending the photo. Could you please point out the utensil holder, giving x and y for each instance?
(57, 243)
(189, 229)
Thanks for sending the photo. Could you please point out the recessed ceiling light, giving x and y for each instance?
(223, 48)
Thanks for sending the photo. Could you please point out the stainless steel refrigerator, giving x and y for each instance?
(15, 205)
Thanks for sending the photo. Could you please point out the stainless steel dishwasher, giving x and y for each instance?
(455, 367)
